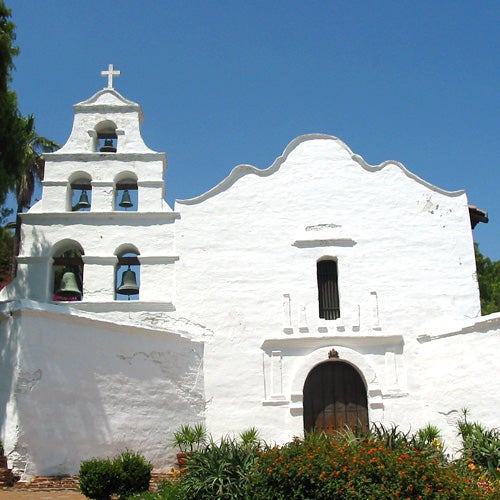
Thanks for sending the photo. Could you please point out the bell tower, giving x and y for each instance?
(102, 216)
(105, 152)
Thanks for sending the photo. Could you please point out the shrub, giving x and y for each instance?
(167, 490)
(134, 473)
(325, 467)
(220, 470)
(127, 474)
(99, 478)
(479, 444)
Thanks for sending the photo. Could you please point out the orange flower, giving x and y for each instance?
(471, 466)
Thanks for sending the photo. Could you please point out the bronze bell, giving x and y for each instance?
(129, 283)
(69, 286)
(83, 202)
(108, 146)
(126, 202)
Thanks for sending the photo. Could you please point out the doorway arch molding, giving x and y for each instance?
(358, 361)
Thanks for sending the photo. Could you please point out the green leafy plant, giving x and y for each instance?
(220, 469)
(134, 473)
(392, 436)
(428, 435)
(328, 467)
(172, 489)
(190, 437)
(480, 446)
(250, 437)
(99, 478)
(126, 474)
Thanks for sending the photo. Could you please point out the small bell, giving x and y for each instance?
(83, 202)
(126, 202)
(129, 284)
(108, 146)
(69, 286)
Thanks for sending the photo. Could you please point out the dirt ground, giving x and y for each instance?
(17, 494)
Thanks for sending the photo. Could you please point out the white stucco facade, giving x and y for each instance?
(226, 328)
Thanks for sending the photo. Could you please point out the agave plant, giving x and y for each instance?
(250, 437)
(190, 437)
(220, 469)
(480, 444)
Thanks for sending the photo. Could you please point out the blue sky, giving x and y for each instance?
(228, 82)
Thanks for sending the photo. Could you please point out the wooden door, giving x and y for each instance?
(334, 397)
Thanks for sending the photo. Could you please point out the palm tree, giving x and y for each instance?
(32, 163)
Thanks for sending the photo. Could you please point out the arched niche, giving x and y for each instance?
(359, 361)
(127, 273)
(106, 138)
(67, 271)
(334, 398)
(79, 192)
(126, 192)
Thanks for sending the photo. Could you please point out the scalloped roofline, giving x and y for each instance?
(241, 170)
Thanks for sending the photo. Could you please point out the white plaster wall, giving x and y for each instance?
(109, 105)
(104, 169)
(101, 239)
(236, 269)
(81, 388)
(455, 369)
(258, 235)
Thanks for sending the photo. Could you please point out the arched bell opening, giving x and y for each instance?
(81, 194)
(127, 276)
(126, 194)
(68, 275)
(335, 398)
(106, 138)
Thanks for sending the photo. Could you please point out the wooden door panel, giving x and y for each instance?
(334, 396)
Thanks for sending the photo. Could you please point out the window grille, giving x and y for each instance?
(328, 289)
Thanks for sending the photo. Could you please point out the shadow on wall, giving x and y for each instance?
(84, 390)
(9, 356)
(10, 334)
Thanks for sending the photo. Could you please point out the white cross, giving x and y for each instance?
(110, 73)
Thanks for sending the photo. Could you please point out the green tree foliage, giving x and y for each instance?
(6, 249)
(488, 277)
(9, 116)
(21, 161)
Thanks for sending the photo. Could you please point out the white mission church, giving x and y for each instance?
(319, 292)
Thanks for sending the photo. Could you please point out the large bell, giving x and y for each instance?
(129, 283)
(83, 202)
(108, 146)
(126, 202)
(69, 286)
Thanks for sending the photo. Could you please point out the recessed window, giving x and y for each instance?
(328, 289)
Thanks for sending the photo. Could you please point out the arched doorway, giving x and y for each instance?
(335, 397)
